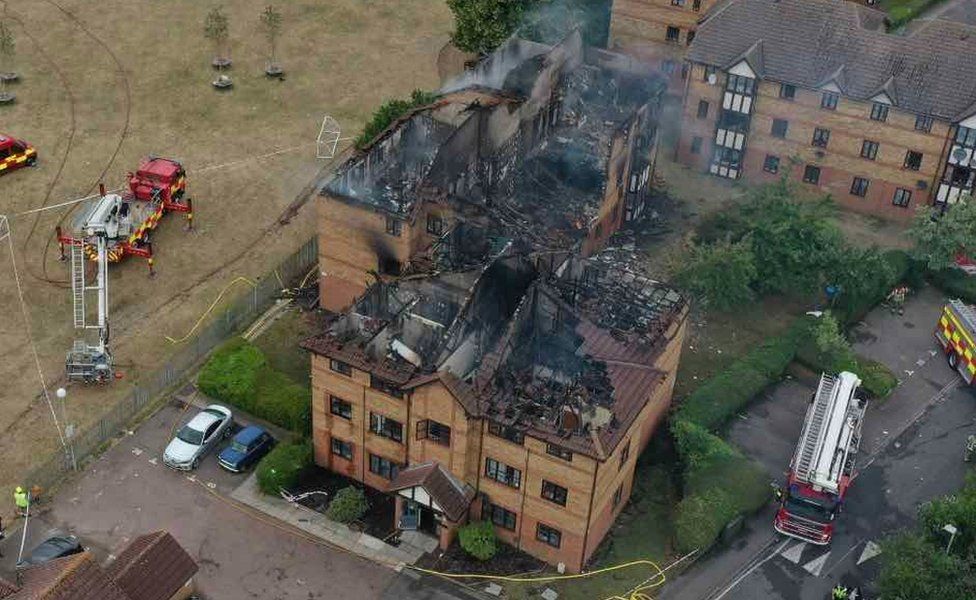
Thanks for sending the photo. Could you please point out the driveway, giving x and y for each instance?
(911, 452)
(242, 554)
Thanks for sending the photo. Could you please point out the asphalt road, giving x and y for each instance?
(241, 554)
(912, 451)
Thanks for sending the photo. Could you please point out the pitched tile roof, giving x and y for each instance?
(152, 567)
(76, 577)
(466, 395)
(453, 496)
(930, 69)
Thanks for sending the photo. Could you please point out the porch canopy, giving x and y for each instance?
(431, 485)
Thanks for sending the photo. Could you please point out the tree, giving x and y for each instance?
(720, 274)
(859, 276)
(271, 24)
(482, 25)
(478, 540)
(7, 51)
(216, 28)
(940, 238)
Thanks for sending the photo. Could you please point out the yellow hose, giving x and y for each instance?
(210, 309)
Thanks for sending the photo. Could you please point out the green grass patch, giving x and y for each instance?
(281, 467)
(279, 343)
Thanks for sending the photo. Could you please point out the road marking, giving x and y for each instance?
(794, 553)
(870, 551)
(749, 571)
(841, 559)
(816, 565)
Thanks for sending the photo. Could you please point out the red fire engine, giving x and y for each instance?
(15, 154)
(158, 187)
(955, 332)
(823, 464)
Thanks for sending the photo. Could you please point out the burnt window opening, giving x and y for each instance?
(821, 137)
(389, 266)
(385, 386)
(508, 433)
(913, 160)
(503, 473)
(548, 535)
(435, 225)
(394, 226)
(554, 493)
(859, 187)
(386, 427)
(499, 516)
(434, 431)
(340, 407)
(959, 176)
(341, 448)
(340, 367)
(559, 452)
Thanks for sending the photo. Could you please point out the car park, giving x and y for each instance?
(57, 546)
(195, 439)
(15, 153)
(246, 449)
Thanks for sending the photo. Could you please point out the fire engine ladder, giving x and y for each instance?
(77, 253)
(811, 442)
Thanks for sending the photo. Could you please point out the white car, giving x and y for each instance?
(199, 436)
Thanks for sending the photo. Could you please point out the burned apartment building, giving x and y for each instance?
(552, 145)
(818, 90)
(507, 392)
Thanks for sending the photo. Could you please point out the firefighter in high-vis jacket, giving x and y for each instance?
(22, 500)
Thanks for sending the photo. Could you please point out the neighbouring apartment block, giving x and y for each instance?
(817, 90)
(496, 353)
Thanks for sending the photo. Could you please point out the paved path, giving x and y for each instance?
(926, 419)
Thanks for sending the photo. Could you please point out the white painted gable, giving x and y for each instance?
(969, 122)
(882, 98)
(742, 68)
(831, 87)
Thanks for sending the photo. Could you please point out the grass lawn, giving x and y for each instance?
(279, 343)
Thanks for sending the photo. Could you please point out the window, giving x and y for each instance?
(829, 100)
(677, 2)
(617, 495)
(966, 137)
(389, 266)
(341, 448)
(771, 164)
(787, 91)
(394, 226)
(384, 467)
(902, 197)
(739, 84)
(811, 174)
(820, 137)
(340, 367)
(696, 5)
(503, 473)
(624, 454)
(340, 407)
(672, 34)
(385, 386)
(923, 123)
(498, 515)
(696, 143)
(547, 534)
(434, 431)
(859, 187)
(690, 38)
(384, 426)
(703, 109)
(779, 127)
(554, 493)
(879, 111)
(913, 160)
(554, 450)
(435, 225)
(869, 150)
(707, 72)
(509, 433)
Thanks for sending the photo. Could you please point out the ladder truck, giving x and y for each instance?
(956, 332)
(823, 464)
(86, 361)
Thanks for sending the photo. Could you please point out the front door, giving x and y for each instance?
(411, 515)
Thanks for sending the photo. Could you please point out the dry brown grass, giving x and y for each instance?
(342, 57)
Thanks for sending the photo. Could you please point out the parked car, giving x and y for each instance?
(57, 546)
(15, 154)
(199, 436)
(246, 449)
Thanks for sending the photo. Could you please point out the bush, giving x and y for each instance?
(876, 379)
(348, 505)
(478, 540)
(827, 351)
(231, 374)
(280, 468)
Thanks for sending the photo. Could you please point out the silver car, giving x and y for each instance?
(199, 436)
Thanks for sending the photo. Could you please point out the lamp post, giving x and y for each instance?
(69, 429)
(952, 531)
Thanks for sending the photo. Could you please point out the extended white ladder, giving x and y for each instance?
(811, 441)
(77, 252)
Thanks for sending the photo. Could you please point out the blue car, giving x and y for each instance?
(247, 448)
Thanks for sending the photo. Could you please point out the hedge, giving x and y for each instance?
(281, 467)
(701, 518)
(238, 373)
(876, 379)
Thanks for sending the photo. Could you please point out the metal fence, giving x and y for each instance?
(188, 355)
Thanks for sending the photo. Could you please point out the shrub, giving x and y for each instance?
(876, 379)
(478, 540)
(348, 505)
(231, 374)
(280, 468)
